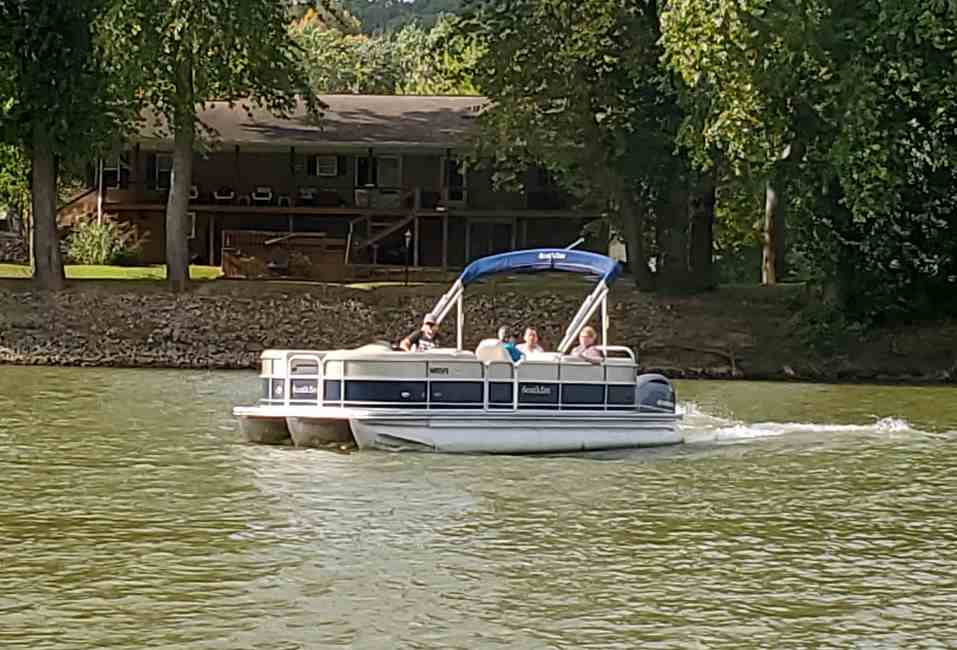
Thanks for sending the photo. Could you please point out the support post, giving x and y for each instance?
(468, 236)
(99, 191)
(137, 180)
(415, 242)
(459, 323)
(445, 242)
(236, 174)
(514, 233)
(212, 238)
(604, 320)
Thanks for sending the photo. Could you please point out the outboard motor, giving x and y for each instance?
(655, 394)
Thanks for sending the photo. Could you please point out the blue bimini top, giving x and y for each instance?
(543, 259)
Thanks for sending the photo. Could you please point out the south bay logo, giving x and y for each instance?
(304, 389)
(551, 256)
(438, 371)
(536, 390)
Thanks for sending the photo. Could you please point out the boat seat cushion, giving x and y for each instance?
(492, 350)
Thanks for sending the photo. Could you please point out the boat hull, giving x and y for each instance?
(475, 433)
(514, 435)
(264, 430)
(318, 432)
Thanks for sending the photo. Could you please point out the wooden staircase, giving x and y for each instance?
(369, 231)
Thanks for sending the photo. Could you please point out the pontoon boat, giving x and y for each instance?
(457, 400)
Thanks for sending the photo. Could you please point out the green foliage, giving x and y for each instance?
(109, 241)
(378, 16)
(232, 49)
(335, 62)
(438, 61)
(411, 61)
(14, 179)
(51, 79)
(866, 95)
(577, 86)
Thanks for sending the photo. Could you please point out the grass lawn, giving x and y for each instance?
(76, 272)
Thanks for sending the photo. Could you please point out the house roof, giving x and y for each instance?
(348, 120)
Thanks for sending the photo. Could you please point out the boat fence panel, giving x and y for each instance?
(621, 374)
(582, 372)
(500, 370)
(450, 384)
(534, 371)
(386, 369)
(332, 370)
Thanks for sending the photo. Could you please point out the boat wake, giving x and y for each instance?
(702, 427)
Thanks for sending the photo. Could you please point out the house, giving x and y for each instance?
(375, 183)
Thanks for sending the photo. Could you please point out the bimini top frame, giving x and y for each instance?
(532, 261)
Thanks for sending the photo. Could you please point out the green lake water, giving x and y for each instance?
(132, 515)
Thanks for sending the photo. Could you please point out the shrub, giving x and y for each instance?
(108, 242)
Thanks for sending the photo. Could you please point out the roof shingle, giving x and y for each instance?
(438, 121)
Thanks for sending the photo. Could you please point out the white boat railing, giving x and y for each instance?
(293, 381)
(618, 348)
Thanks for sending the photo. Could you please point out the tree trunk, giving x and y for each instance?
(177, 245)
(769, 264)
(673, 239)
(48, 263)
(702, 233)
(633, 218)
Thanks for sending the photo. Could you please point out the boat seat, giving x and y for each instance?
(377, 346)
(544, 356)
(492, 350)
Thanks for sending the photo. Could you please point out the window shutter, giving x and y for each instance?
(341, 164)
(311, 169)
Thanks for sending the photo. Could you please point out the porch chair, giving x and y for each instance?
(224, 195)
(262, 194)
(307, 195)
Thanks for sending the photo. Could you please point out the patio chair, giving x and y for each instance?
(224, 195)
(262, 194)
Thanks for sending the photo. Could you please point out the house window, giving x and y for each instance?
(191, 224)
(164, 170)
(5, 220)
(454, 180)
(324, 165)
(379, 171)
(116, 172)
(389, 175)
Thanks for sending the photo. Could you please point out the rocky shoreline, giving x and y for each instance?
(225, 325)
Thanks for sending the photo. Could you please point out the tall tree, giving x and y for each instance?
(54, 105)
(184, 53)
(578, 86)
(755, 76)
(862, 96)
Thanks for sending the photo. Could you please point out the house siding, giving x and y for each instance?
(471, 232)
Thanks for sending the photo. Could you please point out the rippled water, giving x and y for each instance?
(132, 516)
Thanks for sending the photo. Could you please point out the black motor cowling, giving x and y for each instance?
(655, 394)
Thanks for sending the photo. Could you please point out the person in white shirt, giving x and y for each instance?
(531, 343)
